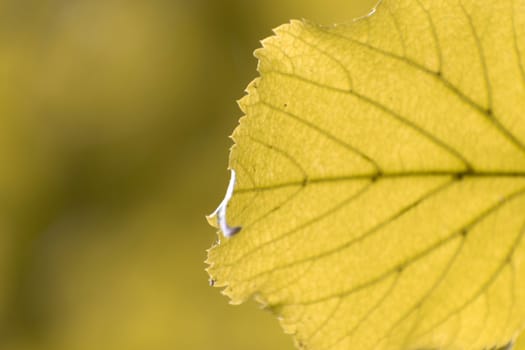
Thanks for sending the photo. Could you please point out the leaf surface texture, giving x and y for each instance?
(381, 179)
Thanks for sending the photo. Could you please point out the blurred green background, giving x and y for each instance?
(114, 124)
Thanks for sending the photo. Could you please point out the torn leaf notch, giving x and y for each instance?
(220, 213)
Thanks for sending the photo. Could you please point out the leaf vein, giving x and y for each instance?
(516, 46)
(312, 221)
(492, 278)
(489, 114)
(396, 116)
(325, 133)
(376, 228)
(476, 220)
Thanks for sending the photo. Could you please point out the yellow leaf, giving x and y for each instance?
(381, 179)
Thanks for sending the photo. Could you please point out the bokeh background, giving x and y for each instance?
(114, 124)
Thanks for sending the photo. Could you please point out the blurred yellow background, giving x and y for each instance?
(114, 124)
